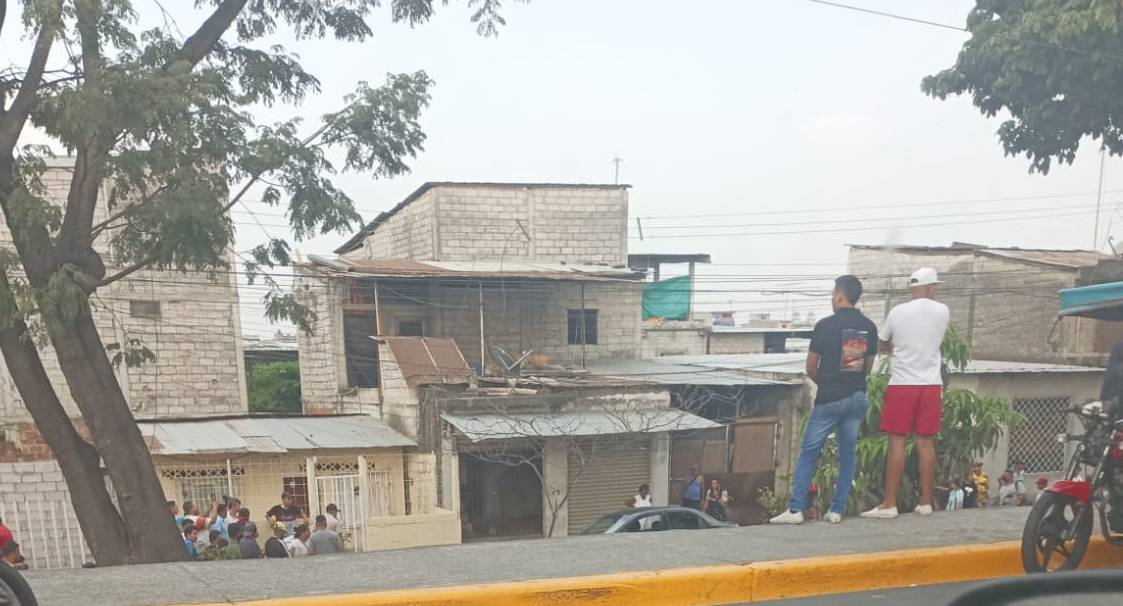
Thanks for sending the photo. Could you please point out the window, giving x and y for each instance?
(202, 491)
(145, 309)
(298, 486)
(411, 328)
(581, 326)
(683, 520)
(1034, 440)
(647, 523)
(360, 351)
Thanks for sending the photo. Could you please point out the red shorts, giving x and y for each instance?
(912, 409)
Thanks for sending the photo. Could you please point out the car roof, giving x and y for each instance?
(636, 510)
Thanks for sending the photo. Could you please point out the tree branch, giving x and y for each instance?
(128, 210)
(128, 271)
(203, 41)
(14, 119)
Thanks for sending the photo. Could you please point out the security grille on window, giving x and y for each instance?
(203, 491)
(145, 309)
(581, 326)
(1034, 440)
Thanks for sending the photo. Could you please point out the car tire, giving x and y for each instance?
(14, 590)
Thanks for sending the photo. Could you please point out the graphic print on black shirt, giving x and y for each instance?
(843, 342)
(855, 344)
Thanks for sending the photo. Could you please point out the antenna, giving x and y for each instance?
(617, 160)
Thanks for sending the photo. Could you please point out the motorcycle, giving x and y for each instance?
(1059, 527)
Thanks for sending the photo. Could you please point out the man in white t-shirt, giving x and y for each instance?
(912, 334)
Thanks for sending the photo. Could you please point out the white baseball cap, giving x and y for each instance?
(923, 277)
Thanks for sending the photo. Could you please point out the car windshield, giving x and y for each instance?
(602, 524)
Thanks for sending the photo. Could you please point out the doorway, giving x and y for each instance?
(498, 500)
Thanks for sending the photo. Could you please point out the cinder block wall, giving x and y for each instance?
(196, 336)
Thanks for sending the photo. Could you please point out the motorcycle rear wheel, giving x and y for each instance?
(1043, 549)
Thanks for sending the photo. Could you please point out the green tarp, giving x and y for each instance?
(667, 299)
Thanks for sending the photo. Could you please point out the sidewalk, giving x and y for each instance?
(482, 563)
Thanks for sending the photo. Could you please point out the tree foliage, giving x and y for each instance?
(165, 134)
(274, 387)
(970, 426)
(1054, 66)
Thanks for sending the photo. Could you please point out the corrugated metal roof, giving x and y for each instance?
(357, 240)
(268, 434)
(1068, 259)
(398, 268)
(998, 366)
(578, 423)
(658, 370)
(429, 361)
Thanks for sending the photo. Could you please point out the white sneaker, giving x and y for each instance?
(924, 510)
(878, 512)
(833, 518)
(788, 517)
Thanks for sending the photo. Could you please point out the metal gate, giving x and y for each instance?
(343, 491)
(609, 476)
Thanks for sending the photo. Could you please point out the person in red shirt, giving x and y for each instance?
(5, 535)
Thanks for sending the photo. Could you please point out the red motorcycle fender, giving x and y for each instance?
(1081, 491)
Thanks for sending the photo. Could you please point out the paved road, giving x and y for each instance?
(199, 582)
(928, 595)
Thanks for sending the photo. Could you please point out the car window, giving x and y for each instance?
(601, 525)
(684, 520)
(647, 523)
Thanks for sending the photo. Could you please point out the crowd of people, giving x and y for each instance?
(974, 490)
(225, 531)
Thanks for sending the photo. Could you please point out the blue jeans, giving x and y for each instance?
(842, 417)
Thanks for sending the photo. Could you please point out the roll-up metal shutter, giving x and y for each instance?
(605, 482)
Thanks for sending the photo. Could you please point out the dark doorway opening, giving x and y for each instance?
(499, 500)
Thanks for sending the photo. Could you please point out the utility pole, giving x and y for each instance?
(1099, 198)
(617, 160)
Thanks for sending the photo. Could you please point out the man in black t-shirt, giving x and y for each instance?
(843, 348)
(286, 513)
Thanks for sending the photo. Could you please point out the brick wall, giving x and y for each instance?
(473, 222)
(196, 338)
(663, 341)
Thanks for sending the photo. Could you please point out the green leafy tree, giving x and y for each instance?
(1055, 66)
(274, 387)
(169, 126)
(970, 426)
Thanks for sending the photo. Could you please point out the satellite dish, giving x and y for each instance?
(509, 366)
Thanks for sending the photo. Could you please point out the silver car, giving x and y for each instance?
(648, 519)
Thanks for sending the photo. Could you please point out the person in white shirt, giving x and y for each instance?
(297, 544)
(643, 499)
(335, 524)
(912, 334)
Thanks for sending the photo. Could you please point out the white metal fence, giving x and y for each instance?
(1034, 440)
(47, 532)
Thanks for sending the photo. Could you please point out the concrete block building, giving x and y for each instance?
(1003, 300)
(189, 320)
(470, 307)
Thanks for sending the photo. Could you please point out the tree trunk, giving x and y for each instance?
(99, 520)
(151, 529)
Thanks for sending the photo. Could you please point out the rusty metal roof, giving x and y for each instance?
(274, 434)
(429, 361)
(473, 270)
(357, 240)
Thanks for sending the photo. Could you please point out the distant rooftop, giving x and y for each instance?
(1069, 259)
(357, 240)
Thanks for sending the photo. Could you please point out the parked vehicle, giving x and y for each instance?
(648, 519)
(1059, 527)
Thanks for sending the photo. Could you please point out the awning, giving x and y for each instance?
(1100, 301)
(579, 423)
(219, 435)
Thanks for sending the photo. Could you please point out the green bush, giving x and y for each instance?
(274, 387)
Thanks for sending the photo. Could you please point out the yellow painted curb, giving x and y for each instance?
(730, 584)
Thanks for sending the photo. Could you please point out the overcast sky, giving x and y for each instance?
(728, 106)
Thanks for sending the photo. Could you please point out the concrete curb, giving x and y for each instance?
(732, 584)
